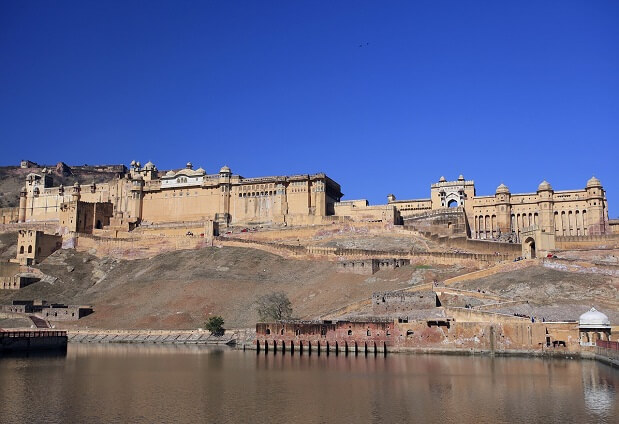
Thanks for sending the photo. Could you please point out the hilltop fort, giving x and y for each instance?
(144, 248)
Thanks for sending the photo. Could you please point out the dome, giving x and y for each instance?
(544, 185)
(593, 319)
(76, 184)
(442, 180)
(170, 174)
(132, 163)
(149, 165)
(200, 170)
(593, 182)
(461, 177)
(502, 189)
(189, 165)
(224, 170)
(23, 189)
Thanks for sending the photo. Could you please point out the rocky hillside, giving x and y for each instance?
(180, 289)
(552, 294)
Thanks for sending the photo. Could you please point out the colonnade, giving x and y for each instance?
(566, 223)
(301, 346)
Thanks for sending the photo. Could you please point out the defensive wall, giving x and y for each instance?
(471, 259)
(369, 266)
(384, 303)
(9, 215)
(609, 241)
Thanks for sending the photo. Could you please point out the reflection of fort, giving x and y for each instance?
(600, 390)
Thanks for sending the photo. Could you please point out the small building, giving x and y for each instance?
(592, 326)
(25, 163)
(48, 311)
(34, 246)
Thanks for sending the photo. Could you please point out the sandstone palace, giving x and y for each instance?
(144, 197)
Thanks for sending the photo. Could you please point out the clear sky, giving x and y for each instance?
(383, 96)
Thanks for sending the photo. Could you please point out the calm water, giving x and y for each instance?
(149, 384)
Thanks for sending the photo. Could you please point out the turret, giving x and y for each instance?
(596, 211)
(150, 171)
(137, 189)
(76, 193)
(502, 200)
(545, 195)
(224, 203)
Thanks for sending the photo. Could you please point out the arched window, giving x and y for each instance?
(21, 250)
(30, 249)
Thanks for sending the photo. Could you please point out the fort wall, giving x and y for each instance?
(610, 241)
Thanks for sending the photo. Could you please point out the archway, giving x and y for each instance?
(452, 203)
(529, 248)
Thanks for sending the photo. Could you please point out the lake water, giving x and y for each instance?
(150, 384)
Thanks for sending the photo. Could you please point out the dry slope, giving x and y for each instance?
(179, 289)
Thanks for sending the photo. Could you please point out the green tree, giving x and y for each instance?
(274, 307)
(215, 325)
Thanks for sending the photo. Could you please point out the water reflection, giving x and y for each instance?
(129, 383)
(600, 392)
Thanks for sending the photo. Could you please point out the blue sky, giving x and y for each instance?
(385, 97)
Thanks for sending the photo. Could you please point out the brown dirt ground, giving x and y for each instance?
(180, 289)
(553, 294)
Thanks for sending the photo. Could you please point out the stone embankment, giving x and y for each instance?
(198, 337)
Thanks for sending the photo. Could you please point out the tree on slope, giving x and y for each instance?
(274, 307)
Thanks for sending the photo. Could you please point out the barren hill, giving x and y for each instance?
(180, 289)
(552, 294)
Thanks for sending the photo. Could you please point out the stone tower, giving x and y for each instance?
(502, 200)
(223, 217)
(596, 223)
(545, 194)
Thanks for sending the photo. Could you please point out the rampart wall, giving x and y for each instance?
(610, 241)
